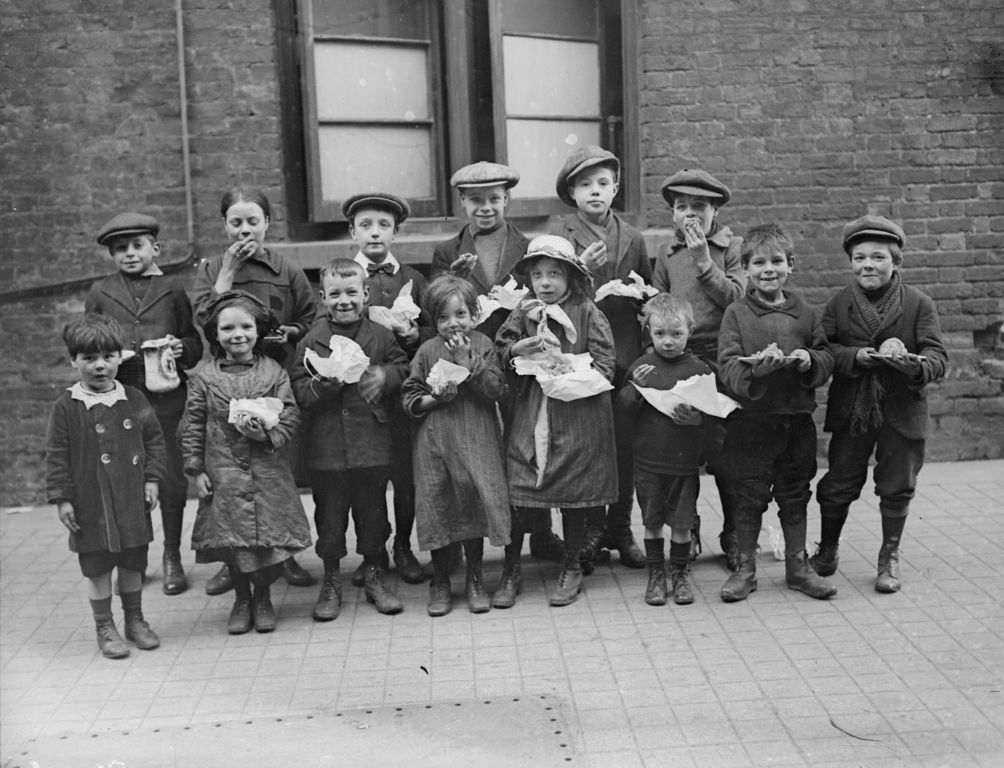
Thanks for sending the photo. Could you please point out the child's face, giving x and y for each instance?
(373, 230)
(246, 220)
(133, 254)
(669, 336)
(768, 271)
(344, 297)
(691, 207)
(485, 206)
(548, 280)
(97, 369)
(237, 334)
(593, 190)
(454, 317)
(872, 264)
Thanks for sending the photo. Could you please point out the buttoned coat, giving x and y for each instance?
(446, 253)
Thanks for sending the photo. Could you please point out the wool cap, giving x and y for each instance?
(383, 200)
(485, 174)
(693, 181)
(553, 247)
(128, 223)
(578, 161)
(869, 226)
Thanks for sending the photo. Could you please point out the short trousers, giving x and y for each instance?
(667, 499)
(94, 564)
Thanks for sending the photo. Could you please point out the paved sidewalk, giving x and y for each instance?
(912, 679)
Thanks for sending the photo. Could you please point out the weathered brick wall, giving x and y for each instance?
(816, 113)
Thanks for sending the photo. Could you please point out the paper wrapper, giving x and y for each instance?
(636, 289)
(507, 297)
(265, 409)
(563, 377)
(400, 315)
(346, 363)
(698, 391)
(444, 372)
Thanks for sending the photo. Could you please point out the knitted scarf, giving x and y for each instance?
(873, 307)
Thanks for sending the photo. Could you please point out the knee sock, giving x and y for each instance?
(679, 553)
(514, 549)
(132, 602)
(474, 551)
(171, 518)
(831, 524)
(102, 609)
(573, 523)
(655, 552)
(441, 565)
(892, 530)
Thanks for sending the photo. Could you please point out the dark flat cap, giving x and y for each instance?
(693, 181)
(578, 161)
(129, 223)
(869, 226)
(382, 200)
(485, 174)
(553, 247)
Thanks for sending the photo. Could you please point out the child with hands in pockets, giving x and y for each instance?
(461, 493)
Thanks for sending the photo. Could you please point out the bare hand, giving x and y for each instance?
(151, 494)
(768, 360)
(642, 373)
(409, 338)
(463, 264)
(67, 516)
(904, 363)
(459, 345)
(686, 415)
(529, 345)
(176, 347)
(203, 485)
(372, 383)
(252, 429)
(804, 360)
(697, 244)
(595, 256)
(449, 392)
(863, 357)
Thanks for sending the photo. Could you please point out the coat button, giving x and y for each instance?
(345, 412)
(106, 459)
(249, 496)
(99, 428)
(135, 459)
(244, 465)
(127, 423)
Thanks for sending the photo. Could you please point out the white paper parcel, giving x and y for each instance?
(444, 372)
(507, 297)
(347, 361)
(399, 316)
(265, 409)
(697, 391)
(563, 377)
(636, 289)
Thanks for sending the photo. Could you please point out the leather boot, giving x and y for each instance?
(743, 581)
(655, 558)
(377, 592)
(831, 523)
(623, 541)
(683, 593)
(569, 583)
(261, 608)
(296, 575)
(219, 582)
(826, 559)
(240, 620)
(407, 566)
(110, 642)
(477, 598)
(174, 575)
(695, 538)
(888, 569)
(801, 577)
(510, 583)
(547, 545)
(329, 600)
(359, 574)
(590, 548)
(137, 631)
(730, 548)
(440, 598)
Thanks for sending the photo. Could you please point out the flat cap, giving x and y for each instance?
(485, 174)
(382, 200)
(693, 181)
(553, 247)
(578, 161)
(128, 223)
(869, 226)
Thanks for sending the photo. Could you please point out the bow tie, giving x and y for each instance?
(373, 269)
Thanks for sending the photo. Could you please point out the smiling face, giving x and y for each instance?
(768, 270)
(344, 297)
(97, 369)
(454, 317)
(237, 334)
(872, 263)
(133, 254)
(246, 221)
(693, 208)
(373, 229)
(593, 190)
(548, 280)
(669, 335)
(485, 206)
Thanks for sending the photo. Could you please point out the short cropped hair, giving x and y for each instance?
(343, 268)
(444, 288)
(245, 195)
(665, 306)
(766, 236)
(92, 333)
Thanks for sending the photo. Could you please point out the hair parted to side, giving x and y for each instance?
(245, 195)
(92, 333)
(666, 306)
(342, 268)
(444, 288)
(770, 237)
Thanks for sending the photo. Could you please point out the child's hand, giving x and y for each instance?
(642, 373)
(151, 494)
(447, 394)
(252, 429)
(804, 360)
(464, 264)
(409, 338)
(203, 485)
(595, 256)
(686, 416)
(372, 383)
(529, 345)
(863, 357)
(697, 243)
(176, 348)
(67, 516)
(768, 360)
(459, 345)
(902, 362)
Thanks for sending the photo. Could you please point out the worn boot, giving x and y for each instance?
(296, 575)
(655, 558)
(826, 559)
(831, 523)
(477, 598)
(174, 575)
(695, 538)
(569, 583)
(440, 598)
(590, 548)
(888, 569)
(730, 548)
(679, 571)
(329, 600)
(801, 577)
(743, 581)
(261, 608)
(622, 540)
(219, 582)
(359, 574)
(109, 640)
(545, 544)
(407, 566)
(137, 631)
(511, 582)
(377, 593)
(240, 620)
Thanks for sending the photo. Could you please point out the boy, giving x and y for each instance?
(348, 438)
(611, 249)
(104, 461)
(149, 305)
(772, 355)
(668, 449)
(702, 265)
(374, 219)
(876, 404)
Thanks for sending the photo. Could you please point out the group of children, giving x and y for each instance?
(439, 402)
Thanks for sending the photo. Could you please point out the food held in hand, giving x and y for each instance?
(893, 347)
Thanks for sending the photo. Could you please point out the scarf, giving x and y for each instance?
(873, 307)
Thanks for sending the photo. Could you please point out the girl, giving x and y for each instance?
(250, 516)
(579, 474)
(461, 493)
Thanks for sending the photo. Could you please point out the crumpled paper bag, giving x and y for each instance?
(400, 315)
(506, 296)
(697, 391)
(637, 289)
(444, 372)
(265, 409)
(346, 363)
(562, 376)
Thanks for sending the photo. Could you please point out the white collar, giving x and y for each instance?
(90, 399)
(364, 261)
(153, 270)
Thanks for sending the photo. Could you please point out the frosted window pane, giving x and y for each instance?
(359, 159)
(551, 77)
(538, 148)
(360, 81)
